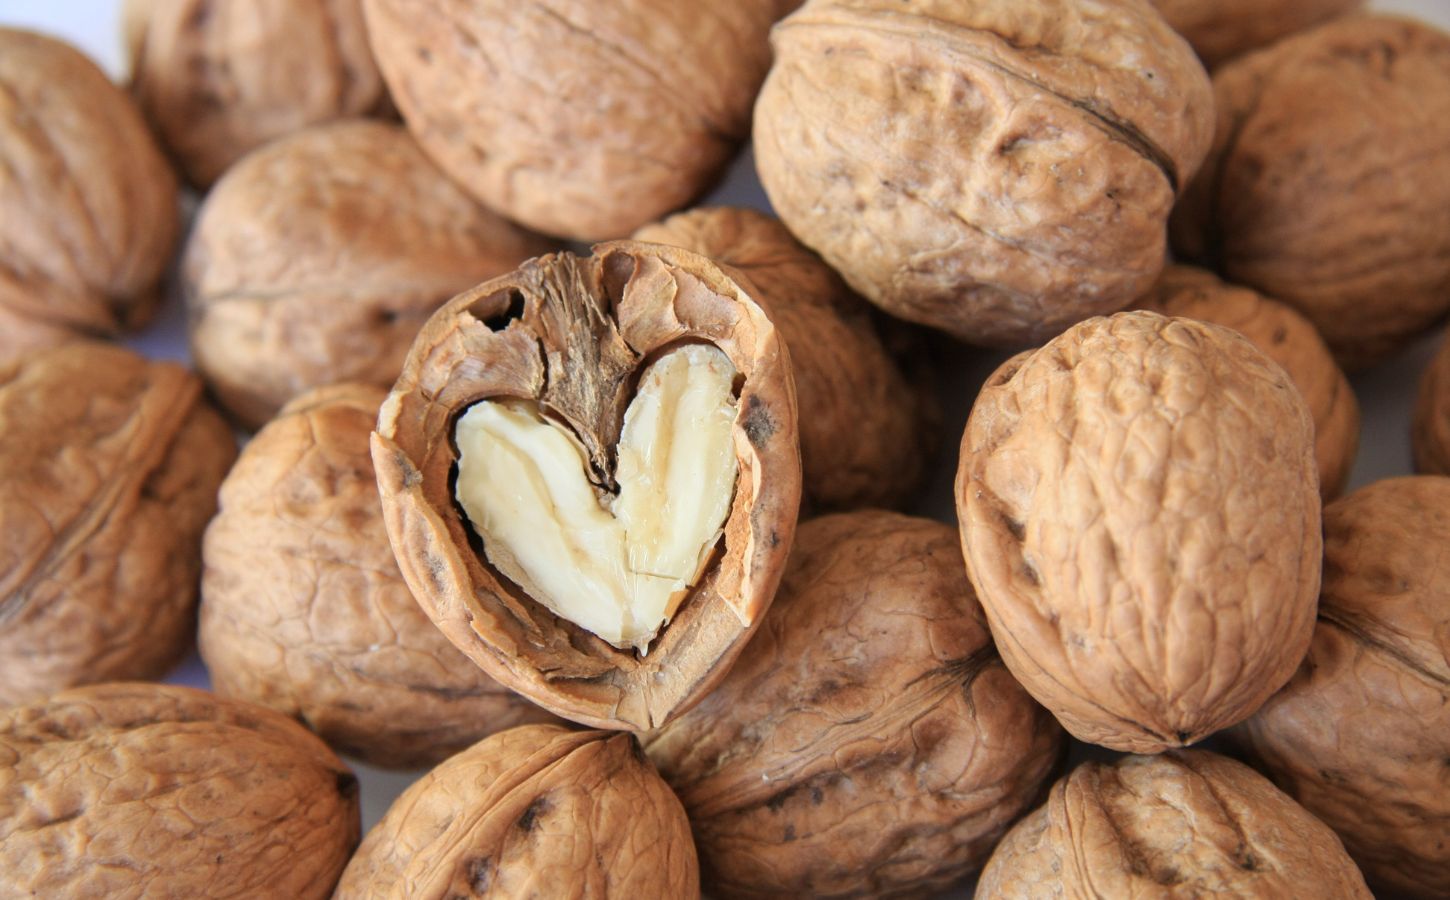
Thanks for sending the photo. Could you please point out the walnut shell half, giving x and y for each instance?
(1222, 29)
(1430, 436)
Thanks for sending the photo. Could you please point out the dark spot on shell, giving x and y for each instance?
(480, 874)
(532, 813)
(817, 796)
(789, 832)
(347, 785)
(1280, 335)
(1182, 736)
(774, 539)
(1015, 528)
(425, 55)
(759, 426)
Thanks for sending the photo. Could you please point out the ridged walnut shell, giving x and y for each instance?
(869, 742)
(573, 333)
(1361, 736)
(109, 466)
(537, 811)
(1183, 824)
(139, 790)
(1222, 29)
(1430, 436)
(304, 610)
(1139, 509)
(1328, 186)
(998, 170)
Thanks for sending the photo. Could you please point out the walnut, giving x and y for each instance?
(1288, 339)
(130, 790)
(1326, 185)
(1222, 29)
(1139, 510)
(1183, 824)
(20, 335)
(869, 740)
(996, 170)
(1361, 735)
(109, 466)
(90, 204)
(317, 259)
(1431, 432)
(218, 78)
(537, 811)
(598, 392)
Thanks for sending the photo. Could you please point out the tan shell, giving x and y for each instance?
(1361, 736)
(997, 169)
(1327, 185)
(90, 209)
(869, 741)
(1180, 825)
(1222, 29)
(218, 78)
(1287, 338)
(138, 790)
(1139, 510)
(21, 335)
(1431, 432)
(318, 258)
(304, 610)
(572, 332)
(109, 466)
(867, 433)
(537, 811)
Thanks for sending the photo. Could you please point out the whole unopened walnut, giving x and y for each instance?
(1430, 435)
(869, 741)
(1183, 824)
(109, 466)
(1361, 735)
(1139, 509)
(1329, 182)
(1222, 29)
(140, 790)
(318, 257)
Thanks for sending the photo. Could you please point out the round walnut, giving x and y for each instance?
(128, 790)
(1431, 432)
(1288, 339)
(1361, 736)
(317, 259)
(995, 170)
(109, 466)
(590, 476)
(1139, 511)
(303, 608)
(1183, 824)
(869, 741)
(537, 811)
(90, 212)
(1221, 29)
(1328, 186)
(218, 78)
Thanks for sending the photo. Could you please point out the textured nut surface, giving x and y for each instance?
(1221, 29)
(304, 610)
(997, 169)
(869, 740)
(136, 790)
(1361, 735)
(1139, 510)
(109, 466)
(536, 811)
(1328, 186)
(1180, 825)
(1431, 432)
(20, 335)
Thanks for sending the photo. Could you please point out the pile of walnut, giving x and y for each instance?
(614, 539)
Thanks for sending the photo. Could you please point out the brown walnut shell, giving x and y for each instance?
(869, 741)
(1183, 824)
(573, 333)
(1139, 508)
(109, 466)
(1430, 436)
(1222, 29)
(536, 811)
(1361, 736)
(21, 335)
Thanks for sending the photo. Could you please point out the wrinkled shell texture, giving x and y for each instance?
(572, 334)
(304, 609)
(864, 426)
(109, 466)
(21, 335)
(1222, 29)
(1287, 338)
(1328, 186)
(1431, 432)
(869, 741)
(90, 204)
(998, 170)
(217, 78)
(582, 120)
(317, 259)
(1181, 825)
(1140, 516)
(133, 790)
(1361, 736)
(536, 811)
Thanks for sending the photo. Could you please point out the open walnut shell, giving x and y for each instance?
(573, 335)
